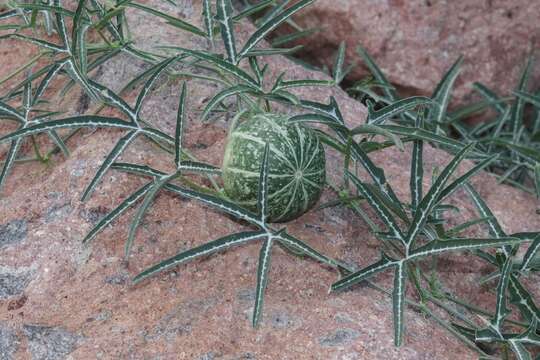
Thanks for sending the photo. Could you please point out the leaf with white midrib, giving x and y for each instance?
(465, 177)
(262, 191)
(270, 25)
(180, 116)
(119, 210)
(532, 251)
(141, 211)
(262, 279)
(9, 160)
(157, 70)
(111, 157)
(377, 73)
(398, 301)
(291, 241)
(429, 201)
(11, 111)
(217, 203)
(501, 310)
(384, 263)
(222, 95)
(202, 250)
(440, 246)
(379, 207)
(137, 169)
(208, 19)
(417, 166)
(77, 121)
(520, 297)
(222, 64)
(224, 17)
(113, 99)
(396, 108)
(441, 95)
(338, 63)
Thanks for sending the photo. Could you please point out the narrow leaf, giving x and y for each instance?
(180, 118)
(224, 17)
(396, 108)
(440, 246)
(384, 263)
(202, 250)
(398, 301)
(262, 279)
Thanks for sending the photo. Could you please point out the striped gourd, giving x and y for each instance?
(296, 165)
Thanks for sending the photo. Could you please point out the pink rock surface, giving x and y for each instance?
(415, 42)
(78, 299)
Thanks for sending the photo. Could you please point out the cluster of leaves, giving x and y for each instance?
(411, 230)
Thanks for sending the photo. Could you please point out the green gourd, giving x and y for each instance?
(296, 165)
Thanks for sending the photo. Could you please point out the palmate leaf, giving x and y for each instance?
(270, 25)
(224, 17)
(202, 250)
(396, 108)
(430, 200)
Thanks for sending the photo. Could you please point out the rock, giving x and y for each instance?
(9, 342)
(13, 232)
(416, 42)
(13, 281)
(339, 338)
(50, 343)
(200, 306)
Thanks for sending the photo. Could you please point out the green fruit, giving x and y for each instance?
(296, 166)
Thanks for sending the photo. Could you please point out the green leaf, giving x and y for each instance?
(384, 263)
(388, 89)
(339, 62)
(494, 227)
(491, 97)
(141, 211)
(300, 83)
(273, 51)
(465, 177)
(430, 200)
(270, 25)
(208, 20)
(221, 64)
(290, 241)
(501, 310)
(440, 246)
(120, 146)
(114, 100)
(532, 99)
(137, 169)
(253, 9)
(9, 160)
(156, 71)
(377, 130)
(12, 112)
(262, 195)
(35, 41)
(171, 20)
(262, 279)
(199, 167)
(398, 301)
(520, 297)
(519, 350)
(417, 166)
(516, 119)
(218, 203)
(72, 122)
(180, 116)
(202, 250)
(537, 178)
(442, 93)
(56, 67)
(222, 95)
(396, 108)
(224, 17)
(379, 207)
(119, 210)
(529, 256)
(283, 39)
